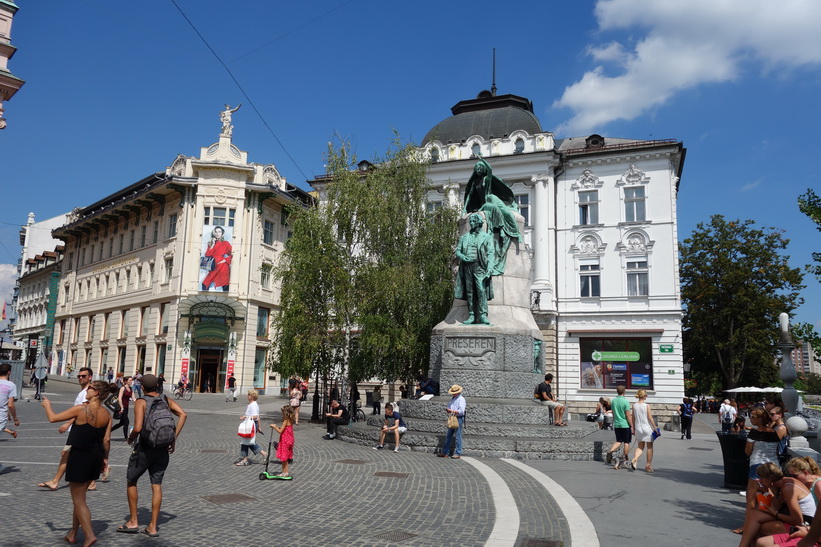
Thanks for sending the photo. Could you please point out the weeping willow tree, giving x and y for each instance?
(366, 274)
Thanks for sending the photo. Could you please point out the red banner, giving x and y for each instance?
(229, 371)
(185, 366)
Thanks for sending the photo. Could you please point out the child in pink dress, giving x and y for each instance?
(285, 448)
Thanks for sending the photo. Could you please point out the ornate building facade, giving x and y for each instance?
(173, 274)
(9, 83)
(600, 224)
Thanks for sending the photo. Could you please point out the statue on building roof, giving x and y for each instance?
(225, 118)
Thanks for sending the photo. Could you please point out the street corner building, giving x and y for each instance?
(173, 274)
(600, 227)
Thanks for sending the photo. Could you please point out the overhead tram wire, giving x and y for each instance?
(268, 43)
(241, 89)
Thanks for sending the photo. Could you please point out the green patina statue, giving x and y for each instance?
(476, 254)
(490, 194)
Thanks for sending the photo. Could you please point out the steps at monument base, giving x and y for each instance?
(481, 410)
(576, 430)
(490, 446)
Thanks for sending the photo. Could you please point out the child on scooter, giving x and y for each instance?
(285, 448)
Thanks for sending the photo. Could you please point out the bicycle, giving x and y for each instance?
(183, 393)
(359, 415)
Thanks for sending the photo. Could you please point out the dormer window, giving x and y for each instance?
(594, 141)
(520, 145)
(476, 150)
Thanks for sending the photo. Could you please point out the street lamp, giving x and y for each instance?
(796, 424)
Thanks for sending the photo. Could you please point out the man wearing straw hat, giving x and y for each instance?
(456, 406)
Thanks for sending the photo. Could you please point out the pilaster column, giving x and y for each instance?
(540, 239)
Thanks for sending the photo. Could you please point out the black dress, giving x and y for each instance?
(85, 459)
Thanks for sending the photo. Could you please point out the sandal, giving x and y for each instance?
(738, 531)
(242, 463)
(648, 469)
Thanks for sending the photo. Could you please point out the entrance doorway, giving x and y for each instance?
(209, 371)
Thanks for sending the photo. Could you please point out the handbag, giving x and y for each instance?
(453, 422)
(656, 433)
(247, 429)
(207, 263)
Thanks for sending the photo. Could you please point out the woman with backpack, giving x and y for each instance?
(125, 397)
(686, 410)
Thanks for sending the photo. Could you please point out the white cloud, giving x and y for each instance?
(750, 185)
(686, 44)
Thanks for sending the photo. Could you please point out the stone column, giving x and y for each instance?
(542, 286)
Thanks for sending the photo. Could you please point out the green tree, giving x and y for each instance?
(382, 263)
(735, 282)
(810, 204)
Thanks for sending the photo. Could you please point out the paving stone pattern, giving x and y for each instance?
(440, 502)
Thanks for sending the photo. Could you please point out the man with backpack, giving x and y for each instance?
(157, 431)
(726, 415)
(685, 410)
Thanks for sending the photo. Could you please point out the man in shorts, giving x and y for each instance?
(8, 392)
(144, 458)
(84, 377)
(398, 428)
(544, 393)
(622, 425)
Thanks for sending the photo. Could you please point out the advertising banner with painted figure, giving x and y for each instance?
(215, 258)
(609, 362)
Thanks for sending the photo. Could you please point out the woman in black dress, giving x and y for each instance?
(89, 438)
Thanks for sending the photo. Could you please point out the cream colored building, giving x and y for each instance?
(133, 292)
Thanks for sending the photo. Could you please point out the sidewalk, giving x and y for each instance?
(348, 494)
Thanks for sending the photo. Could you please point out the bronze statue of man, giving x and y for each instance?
(476, 254)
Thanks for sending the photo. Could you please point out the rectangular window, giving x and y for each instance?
(122, 240)
(93, 247)
(218, 216)
(124, 324)
(164, 318)
(70, 261)
(268, 232)
(82, 258)
(160, 359)
(131, 241)
(111, 247)
(259, 367)
(262, 322)
(634, 204)
(121, 360)
(432, 206)
(610, 362)
(75, 331)
(637, 279)
(172, 225)
(524, 206)
(62, 331)
(103, 360)
(589, 207)
(92, 322)
(141, 359)
(156, 232)
(143, 321)
(143, 232)
(589, 278)
(169, 269)
(265, 276)
(106, 326)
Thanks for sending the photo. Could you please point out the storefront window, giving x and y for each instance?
(610, 362)
(259, 368)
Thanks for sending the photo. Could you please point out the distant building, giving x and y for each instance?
(9, 83)
(600, 223)
(35, 294)
(805, 359)
(173, 273)
(36, 302)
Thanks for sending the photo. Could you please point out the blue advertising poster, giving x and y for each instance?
(640, 380)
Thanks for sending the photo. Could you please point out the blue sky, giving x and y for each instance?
(115, 90)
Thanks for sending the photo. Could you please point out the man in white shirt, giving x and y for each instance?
(8, 393)
(726, 415)
(84, 377)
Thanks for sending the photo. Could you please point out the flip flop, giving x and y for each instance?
(738, 531)
(44, 485)
(150, 534)
(65, 538)
(127, 530)
(14, 434)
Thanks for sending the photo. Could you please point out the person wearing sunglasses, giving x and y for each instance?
(84, 377)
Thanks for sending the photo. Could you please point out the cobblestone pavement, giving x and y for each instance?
(342, 493)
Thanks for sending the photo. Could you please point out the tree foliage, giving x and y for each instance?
(810, 204)
(366, 274)
(735, 283)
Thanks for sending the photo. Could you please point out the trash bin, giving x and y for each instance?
(736, 462)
